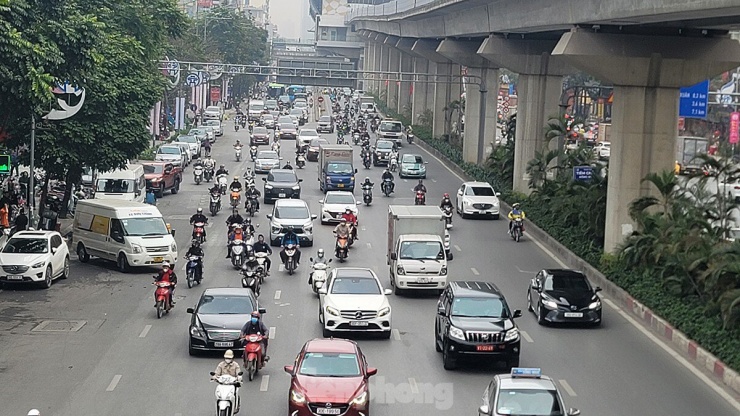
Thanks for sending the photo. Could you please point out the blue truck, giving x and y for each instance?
(336, 170)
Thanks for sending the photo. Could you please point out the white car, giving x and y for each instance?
(291, 213)
(603, 150)
(266, 160)
(335, 203)
(304, 138)
(213, 113)
(268, 121)
(34, 257)
(210, 132)
(171, 153)
(354, 301)
(478, 199)
(192, 142)
(216, 125)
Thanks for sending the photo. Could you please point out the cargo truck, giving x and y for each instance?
(418, 248)
(688, 154)
(336, 171)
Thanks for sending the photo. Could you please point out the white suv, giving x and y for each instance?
(293, 214)
(354, 301)
(34, 257)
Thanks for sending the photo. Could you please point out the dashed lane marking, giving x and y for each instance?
(475, 271)
(369, 246)
(413, 386)
(526, 336)
(265, 384)
(568, 389)
(145, 331)
(457, 247)
(273, 331)
(114, 382)
(281, 268)
(278, 293)
(434, 180)
(396, 334)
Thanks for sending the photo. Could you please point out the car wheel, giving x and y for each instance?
(192, 351)
(529, 301)
(65, 270)
(448, 361)
(398, 291)
(176, 188)
(386, 334)
(326, 333)
(436, 341)
(160, 192)
(496, 216)
(540, 318)
(122, 263)
(48, 277)
(82, 254)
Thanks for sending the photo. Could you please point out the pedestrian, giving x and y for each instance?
(21, 221)
(14, 156)
(151, 198)
(4, 222)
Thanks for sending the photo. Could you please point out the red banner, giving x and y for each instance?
(734, 128)
(205, 3)
(215, 94)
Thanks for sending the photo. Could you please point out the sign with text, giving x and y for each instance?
(693, 100)
(582, 173)
(215, 94)
(734, 128)
(4, 164)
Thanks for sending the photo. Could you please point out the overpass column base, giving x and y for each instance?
(474, 144)
(404, 87)
(394, 65)
(441, 93)
(419, 89)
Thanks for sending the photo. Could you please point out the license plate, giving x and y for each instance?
(422, 280)
(328, 411)
(223, 344)
(281, 195)
(481, 212)
(14, 277)
(358, 323)
(573, 314)
(484, 347)
(158, 260)
(341, 185)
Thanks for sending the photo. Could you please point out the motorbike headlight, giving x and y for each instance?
(400, 270)
(157, 180)
(511, 335)
(385, 311)
(332, 311)
(443, 271)
(595, 304)
(360, 400)
(268, 186)
(38, 265)
(457, 333)
(297, 397)
(137, 248)
(549, 304)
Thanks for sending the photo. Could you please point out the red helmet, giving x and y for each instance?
(446, 195)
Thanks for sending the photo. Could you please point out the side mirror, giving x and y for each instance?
(172, 232)
(269, 216)
(322, 291)
(241, 373)
(310, 259)
(388, 292)
(484, 410)
(426, 163)
(300, 180)
(53, 250)
(358, 203)
(329, 261)
(459, 191)
(371, 371)
(264, 179)
(355, 170)
(440, 309)
(212, 373)
(573, 412)
(498, 193)
(289, 369)
(597, 289)
(321, 201)
(190, 310)
(393, 256)
(517, 313)
(281, 158)
(314, 216)
(262, 310)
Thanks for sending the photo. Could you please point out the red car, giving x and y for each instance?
(329, 377)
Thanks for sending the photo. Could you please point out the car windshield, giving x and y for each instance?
(286, 126)
(309, 133)
(213, 123)
(322, 364)
(605, 144)
(325, 119)
(567, 283)
(196, 132)
(256, 107)
(259, 130)
(225, 305)
(412, 159)
(480, 191)
(422, 250)
(213, 109)
(296, 112)
(318, 142)
(516, 402)
(388, 126)
(355, 286)
(281, 177)
(115, 185)
(188, 139)
(284, 98)
(340, 199)
(384, 145)
(138, 227)
(267, 155)
(271, 103)
(268, 117)
(168, 150)
(479, 307)
(300, 104)
(292, 213)
(26, 246)
(153, 168)
(339, 168)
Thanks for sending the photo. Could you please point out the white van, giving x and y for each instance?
(127, 184)
(130, 233)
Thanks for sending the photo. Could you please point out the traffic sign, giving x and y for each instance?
(204, 77)
(693, 100)
(321, 99)
(506, 110)
(4, 164)
(192, 80)
(582, 173)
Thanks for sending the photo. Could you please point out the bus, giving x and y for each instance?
(275, 90)
(293, 89)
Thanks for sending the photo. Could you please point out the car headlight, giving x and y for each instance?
(297, 397)
(549, 304)
(297, 188)
(466, 202)
(595, 304)
(38, 265)
(443, 271)
(457, 333)
(400, 270)
(268, 186)
(511, 335)
(137, 248)
(360, 400)
(197, 331)
(332, 311)
(173, 247)
(495, 204)
(274, 229)
(385, 311)
(308, 228)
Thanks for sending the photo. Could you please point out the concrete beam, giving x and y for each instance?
(379, 37)
(524, 56)
(391, 41)
(427, 49)
(406, 45)
(463, 52)
(648, 61)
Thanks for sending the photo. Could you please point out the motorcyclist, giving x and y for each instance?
(248, 227)
(351, 219)
(287, 165)
(196, 250)
(167, 275)
(256, 326)
(261, 247)
(516, 213)
(446, 202)
(367, 183)
(208, 162)
(318, 259)
(230, 367)
(222, 171)
(342, 230)
(234, 219)
(236, 234)
(388, 175)
(215, 189)
(420, 187)
(235, 184)
(207, 148)
(254, 194)
(252, 264)
(290, 237)
(238, 144)
(199, 217)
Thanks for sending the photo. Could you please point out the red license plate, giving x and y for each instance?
(484, 347)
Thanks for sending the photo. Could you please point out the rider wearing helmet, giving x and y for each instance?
(351, 221)
(234, 218)
(222, 170)
(516, 213)
(287, 165)
(256, 326)
(237, 234)
(230, 367)
(248, 227)
(196, 250)
(319, 259)
(261, 247)
(367, 183)
(446, 202)
(290, 237)
(387, 175)
(167, 275)
(253, 194)
(420, 187)
(199, 217)
(236, 185)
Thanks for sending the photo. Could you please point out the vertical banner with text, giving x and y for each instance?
(734, 128)
(215, 95)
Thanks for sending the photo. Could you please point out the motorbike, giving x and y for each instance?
(223, 183)
(236, 126)
(198, 174)
(421, 198)
(208, 174)
(252, 278)
(193, 276)
(253, 153)
(238, 153)
(251, 205)
(235, 198)
(162, 294)
(517, 229)
(447, 214)
(215, 205)
(367, 194)
(261, 259)
(227, 396)
(237, 253)
(387, 187)
(367, 160)
(342, 249)
(393, 164)
(199, 231)
(410, 137)
(289, 258)
(253, 354)
(340, 139)
(318, 276)
(300, 160)
(356, 138)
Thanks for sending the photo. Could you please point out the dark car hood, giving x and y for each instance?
(580, 298)
(329, 389)
(481, 324)
(281, 184)
(225, 321)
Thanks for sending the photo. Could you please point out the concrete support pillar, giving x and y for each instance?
(419, 89)
(369, 65)
(404, 87)
(382, 91)
(480, 102)
(394, 65)
(430, 90)
(441, 98)
(538, 99)
(377, 57)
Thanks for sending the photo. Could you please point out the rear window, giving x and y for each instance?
(390, 126)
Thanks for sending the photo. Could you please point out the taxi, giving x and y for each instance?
(523, 392)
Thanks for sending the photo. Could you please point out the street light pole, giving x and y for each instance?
(31, 191)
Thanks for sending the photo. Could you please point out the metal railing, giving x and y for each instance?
(391, 8)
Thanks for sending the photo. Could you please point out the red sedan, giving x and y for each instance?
(330, 377)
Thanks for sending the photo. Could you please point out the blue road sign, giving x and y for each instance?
(693, 100)
(582, 173)
(192, 80)
(204, 77)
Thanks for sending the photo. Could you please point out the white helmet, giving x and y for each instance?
(34, 412)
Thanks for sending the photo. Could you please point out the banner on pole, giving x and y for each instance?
(734, 127)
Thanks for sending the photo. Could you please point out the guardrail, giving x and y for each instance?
(385, 9)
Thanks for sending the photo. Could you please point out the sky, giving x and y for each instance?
(291, 17)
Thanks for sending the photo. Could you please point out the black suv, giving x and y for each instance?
(282, 183)
(474, 320)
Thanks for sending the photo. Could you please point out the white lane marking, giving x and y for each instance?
(475, 271)
(145, 331)
(363, 228)
(434, 180)
(277, 294)
(612, 304)
(281, 268)
(568, 389)
(273, 331)
(369, 245)
(396, 334)
(701, 376)
(413, 386)
(526, 336)
(457, 247)
(524, 271)
(114, 383)
(405, 180)
(265, 383)
(184, 266)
